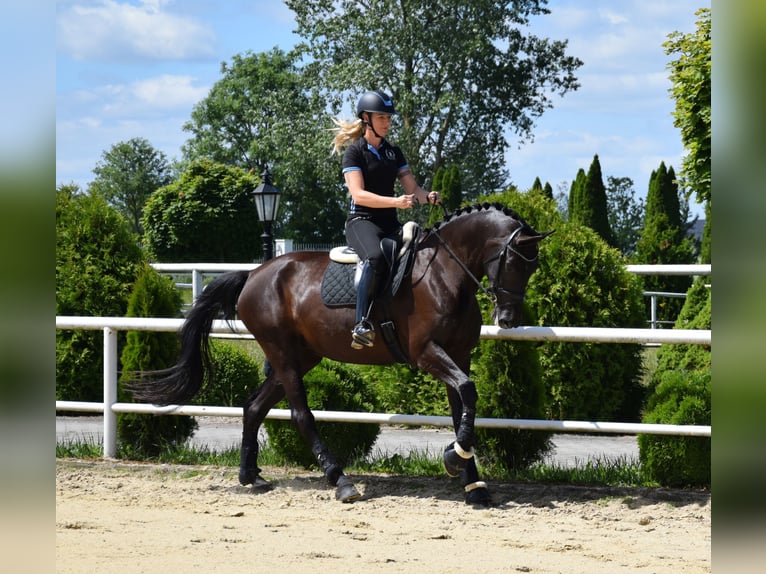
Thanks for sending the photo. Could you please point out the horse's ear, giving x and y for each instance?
(525, 239)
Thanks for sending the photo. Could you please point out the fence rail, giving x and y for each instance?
(110, 407)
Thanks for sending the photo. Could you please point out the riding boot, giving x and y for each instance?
(363, 333)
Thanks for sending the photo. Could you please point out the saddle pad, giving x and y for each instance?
(337, 288)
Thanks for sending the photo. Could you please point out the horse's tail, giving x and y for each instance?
(179, 383)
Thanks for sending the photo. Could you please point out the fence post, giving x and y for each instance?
(110, 392)
(196, 284)
(654, 311)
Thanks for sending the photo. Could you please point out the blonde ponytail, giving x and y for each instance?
(346, 132)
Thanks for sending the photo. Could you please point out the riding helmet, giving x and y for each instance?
(376, 102)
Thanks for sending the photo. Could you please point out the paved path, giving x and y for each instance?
(217, 433)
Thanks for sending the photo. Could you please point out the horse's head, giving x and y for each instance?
(509, 270)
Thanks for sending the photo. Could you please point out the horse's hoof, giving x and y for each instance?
(249, 476)
(260, 484)
(346, 491)
(454, 462)
(476, 494)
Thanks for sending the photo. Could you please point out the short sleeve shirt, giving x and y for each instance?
(380, 168)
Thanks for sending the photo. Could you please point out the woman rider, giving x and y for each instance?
(371, 166)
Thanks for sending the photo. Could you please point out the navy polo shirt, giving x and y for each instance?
(380, 168)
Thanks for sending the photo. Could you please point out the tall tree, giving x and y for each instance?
(663, 241)
(690, 74)
(588, 201)
(261, 113)
(127, 175)
(626, 213)
(461, 73)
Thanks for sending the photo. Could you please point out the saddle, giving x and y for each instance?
(342, 274)
(341, 277)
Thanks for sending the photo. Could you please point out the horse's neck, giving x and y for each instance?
(469, 243)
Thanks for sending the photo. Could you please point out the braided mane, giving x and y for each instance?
(481, 207)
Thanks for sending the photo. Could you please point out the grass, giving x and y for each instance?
(621, 472)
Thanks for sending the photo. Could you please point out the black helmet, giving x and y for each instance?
(376, 102)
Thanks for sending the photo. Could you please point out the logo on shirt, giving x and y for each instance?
(390, 154)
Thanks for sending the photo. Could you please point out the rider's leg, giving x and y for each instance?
(363, 333)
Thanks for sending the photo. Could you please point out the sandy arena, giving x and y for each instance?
(129, 518)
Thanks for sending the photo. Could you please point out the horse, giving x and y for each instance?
(437, 323)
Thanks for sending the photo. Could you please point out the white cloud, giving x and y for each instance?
(108, 30)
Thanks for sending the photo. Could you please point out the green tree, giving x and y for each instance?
(455, 98)
(690, 74)
(142, 434)
(589, 207)
(626, 213)
(582, 282)
(97, 260)
(127, 175)
(548, 190)
(663, 241)
(576, 197)
(207, 215)
(250, 119)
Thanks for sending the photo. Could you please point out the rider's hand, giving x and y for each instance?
(434, 197)
(405, 201)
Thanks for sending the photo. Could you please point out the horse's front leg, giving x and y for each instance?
(458, 463)
(255, 410)
(461, 391)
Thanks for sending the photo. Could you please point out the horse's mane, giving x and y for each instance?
(480, 207)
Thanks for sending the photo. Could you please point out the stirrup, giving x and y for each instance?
(363, 335)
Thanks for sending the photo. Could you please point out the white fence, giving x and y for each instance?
(110, 407)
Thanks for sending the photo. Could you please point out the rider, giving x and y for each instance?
(371, 166)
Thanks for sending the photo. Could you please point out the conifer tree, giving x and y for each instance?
(548, 190)
(663, 241)
(595, 213)
(575, 197)
(537, 184)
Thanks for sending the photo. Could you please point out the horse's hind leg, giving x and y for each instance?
(304, 420)
(255, 410)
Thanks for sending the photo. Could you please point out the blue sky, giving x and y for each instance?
(128, 69)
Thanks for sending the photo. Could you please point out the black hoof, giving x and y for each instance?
(346, 491)
(478, 497)
(249, 475)
(261, 485)
(453, 462)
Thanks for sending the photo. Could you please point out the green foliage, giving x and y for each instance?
(235, 376)
(582, 282)
(681, 398)
(97, 258)
(589, 204)
(454, 109)
(207, 215)
(695, 314)
(403, 389)
(250, 119)
(626, 213)
(690, 74)
(141, 434)
(128, 173)
(663, 241)
(509, 382)
(330, 386)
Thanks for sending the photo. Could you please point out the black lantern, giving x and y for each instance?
(267, 203)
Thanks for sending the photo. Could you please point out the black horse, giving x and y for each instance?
(435, 313)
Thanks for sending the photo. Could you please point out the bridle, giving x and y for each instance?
(500, 256)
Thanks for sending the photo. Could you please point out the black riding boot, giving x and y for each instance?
(363, 333)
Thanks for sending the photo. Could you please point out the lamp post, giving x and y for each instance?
(267, 202)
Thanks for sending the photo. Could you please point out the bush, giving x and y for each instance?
(147, 435)
(582, 282)
(695, 314)
(235, 376)
(400, 388)
(509, 382)
(329, 386)
(97, 260)
(681, 398)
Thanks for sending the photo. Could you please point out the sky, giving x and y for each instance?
(127, 69)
